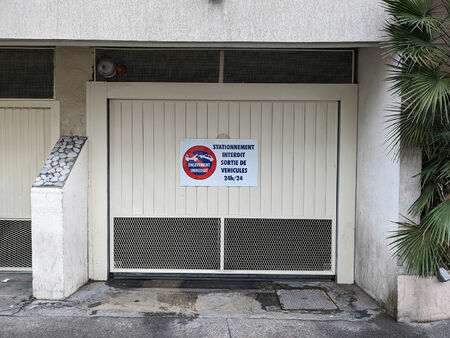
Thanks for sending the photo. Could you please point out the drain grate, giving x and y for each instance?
(305, 299)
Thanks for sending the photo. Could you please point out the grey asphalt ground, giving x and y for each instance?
(185, 326)
(196, 309)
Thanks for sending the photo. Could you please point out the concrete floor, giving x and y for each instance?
(157, 308)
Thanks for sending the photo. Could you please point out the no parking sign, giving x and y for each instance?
(219, 162)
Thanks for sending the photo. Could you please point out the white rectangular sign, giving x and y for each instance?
(219, 162)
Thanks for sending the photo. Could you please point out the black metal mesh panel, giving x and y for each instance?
(26, 73)
(166, 243)
(15, 244)
(256, 66)
(278, 244)
(163, 65)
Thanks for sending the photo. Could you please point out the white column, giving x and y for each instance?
(59, 234)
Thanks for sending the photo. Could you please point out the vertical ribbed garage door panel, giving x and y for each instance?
(297, 169)
(24, 142)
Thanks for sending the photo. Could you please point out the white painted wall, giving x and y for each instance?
(385, 187)
(377, 201)
(193, 20)
(59, 234)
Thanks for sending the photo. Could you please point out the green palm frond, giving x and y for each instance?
(419, 43)
(414, 34)
(408, 12)
(416, 46)
(415, 14)
(444, 173)
(437, 168)
(426, 200)
(437, 222)
(428, 96)
(405, 133)
(416, 249)
(425, 93)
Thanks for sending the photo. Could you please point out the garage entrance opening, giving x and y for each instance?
(284, 225)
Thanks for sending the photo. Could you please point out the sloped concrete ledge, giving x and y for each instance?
(59, 234)
(422, 299)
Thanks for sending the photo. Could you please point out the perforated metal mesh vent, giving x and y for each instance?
(15, 244)
(26, 73)
(278, 244)
(163, 65)
(166, 243)
(276, 66)
(240, 66)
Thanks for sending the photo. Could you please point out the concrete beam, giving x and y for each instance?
(288, 21)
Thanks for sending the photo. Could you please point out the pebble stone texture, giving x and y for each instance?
(60, 162)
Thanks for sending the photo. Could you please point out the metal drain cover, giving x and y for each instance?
(305, 299)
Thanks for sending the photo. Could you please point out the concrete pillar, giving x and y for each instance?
(59, 225)
(73, 67)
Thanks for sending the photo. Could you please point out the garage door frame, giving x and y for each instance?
(98, 94)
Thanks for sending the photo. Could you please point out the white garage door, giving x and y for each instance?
(285, 225)
(27, 132)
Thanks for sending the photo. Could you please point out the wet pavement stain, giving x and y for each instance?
(360, 314)
(268, 301)
(184, 300)
(94, 304)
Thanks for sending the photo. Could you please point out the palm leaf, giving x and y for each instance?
(414, 14)
(425, 93)
(417, 46)
(416, 249)
(419, 43)
(426, 200)
(437, 222)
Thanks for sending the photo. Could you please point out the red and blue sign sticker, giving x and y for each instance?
(199, 162)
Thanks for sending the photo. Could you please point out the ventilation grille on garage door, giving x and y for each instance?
(166, 243)
(278, 244)
(15, 244)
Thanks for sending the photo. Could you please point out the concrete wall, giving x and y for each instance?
(73, 67)
(422, 299)
(193, 20)
(59, 234)
(385, 186)
(378, 183)
(410, 187)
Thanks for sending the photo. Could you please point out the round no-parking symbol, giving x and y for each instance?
(199, 162)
